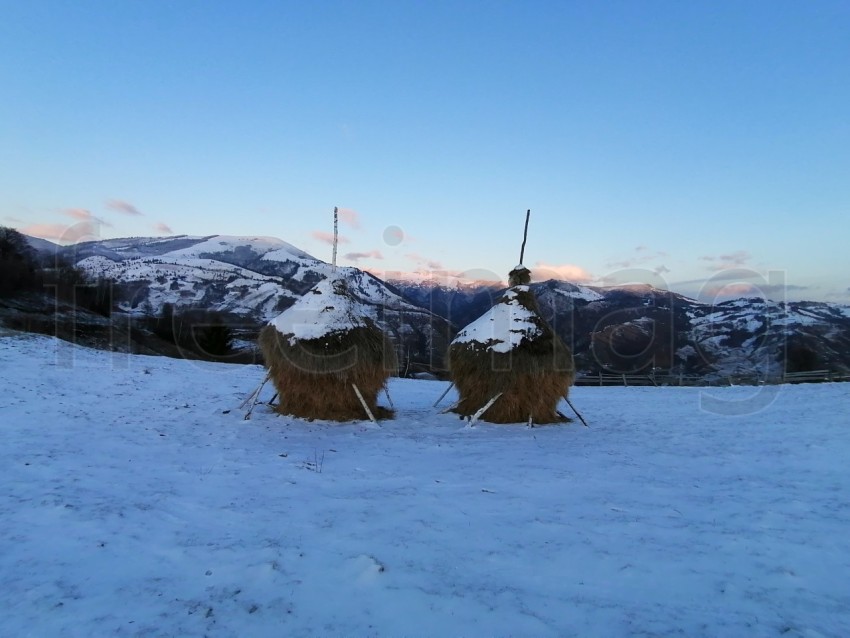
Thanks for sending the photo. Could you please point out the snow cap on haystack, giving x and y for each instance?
(322, 346)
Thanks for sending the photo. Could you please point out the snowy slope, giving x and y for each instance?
(637, 328)
(256, 276)
(136, 501)
(251, 276)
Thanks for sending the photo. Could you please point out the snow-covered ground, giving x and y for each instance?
(136, 501)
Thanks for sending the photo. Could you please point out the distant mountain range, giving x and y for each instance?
(622, 329)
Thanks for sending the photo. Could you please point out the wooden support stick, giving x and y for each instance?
(486, 407)
(363, 403)
(256, 398)
(255, 392)
(581, 418)
(530, 421)
(524, 237)
(443, 395)
(450, 408)
(389, 398)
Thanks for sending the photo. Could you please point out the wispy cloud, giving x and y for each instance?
(14, 220)
(642, 255)
(430, 264)
(737, 259)
(163, 228)
(349, 217)
(78, 213)
(120, 206)
(440, 277)
(372, 254)
(84, 215)
(64, 234)
(566, 272)
(328, 238)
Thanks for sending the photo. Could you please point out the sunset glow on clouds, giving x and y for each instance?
(120, 206)
(425, 262)
(565, 272)
(82, 214)
(328, 238)
(64, 233)
(355, 257)
(349, 217)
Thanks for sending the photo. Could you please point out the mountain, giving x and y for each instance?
(630, 329)
(247, 281)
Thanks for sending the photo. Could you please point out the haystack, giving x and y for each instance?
(323, 346)
(512, 353)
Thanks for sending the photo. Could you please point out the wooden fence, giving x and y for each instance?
(609, 379)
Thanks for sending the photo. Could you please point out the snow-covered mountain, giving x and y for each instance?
(251, 279)
(638, 328)
(621, 329)
(251, 276)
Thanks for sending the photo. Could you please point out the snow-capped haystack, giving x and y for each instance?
(322, 348)
(511, 353)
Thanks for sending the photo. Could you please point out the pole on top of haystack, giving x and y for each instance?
(524, 237)
(336, 235)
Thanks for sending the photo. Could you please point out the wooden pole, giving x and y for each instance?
(581, 418)
(443, 395)
(524, 237)
(486, 407)
(336, 236)
(363, 403)
(256, 397)
(255, 392)
(450, 408)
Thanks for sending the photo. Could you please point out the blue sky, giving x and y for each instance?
(670, 142)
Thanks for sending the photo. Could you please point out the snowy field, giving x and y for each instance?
(136, 501)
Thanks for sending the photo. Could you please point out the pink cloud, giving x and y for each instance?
(355, 257)
(63, 234)
(349, 217)
(564, 272)
(78, 213)
(162, 227)
(328, 238)
(120, 206)
(440, 277)
(84, 215)
(430, 264)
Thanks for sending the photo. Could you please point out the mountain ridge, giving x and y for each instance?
(618, 329)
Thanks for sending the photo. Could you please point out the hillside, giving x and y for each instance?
(631, 329)
(137, 501)
(640, 328)
(245, 281)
